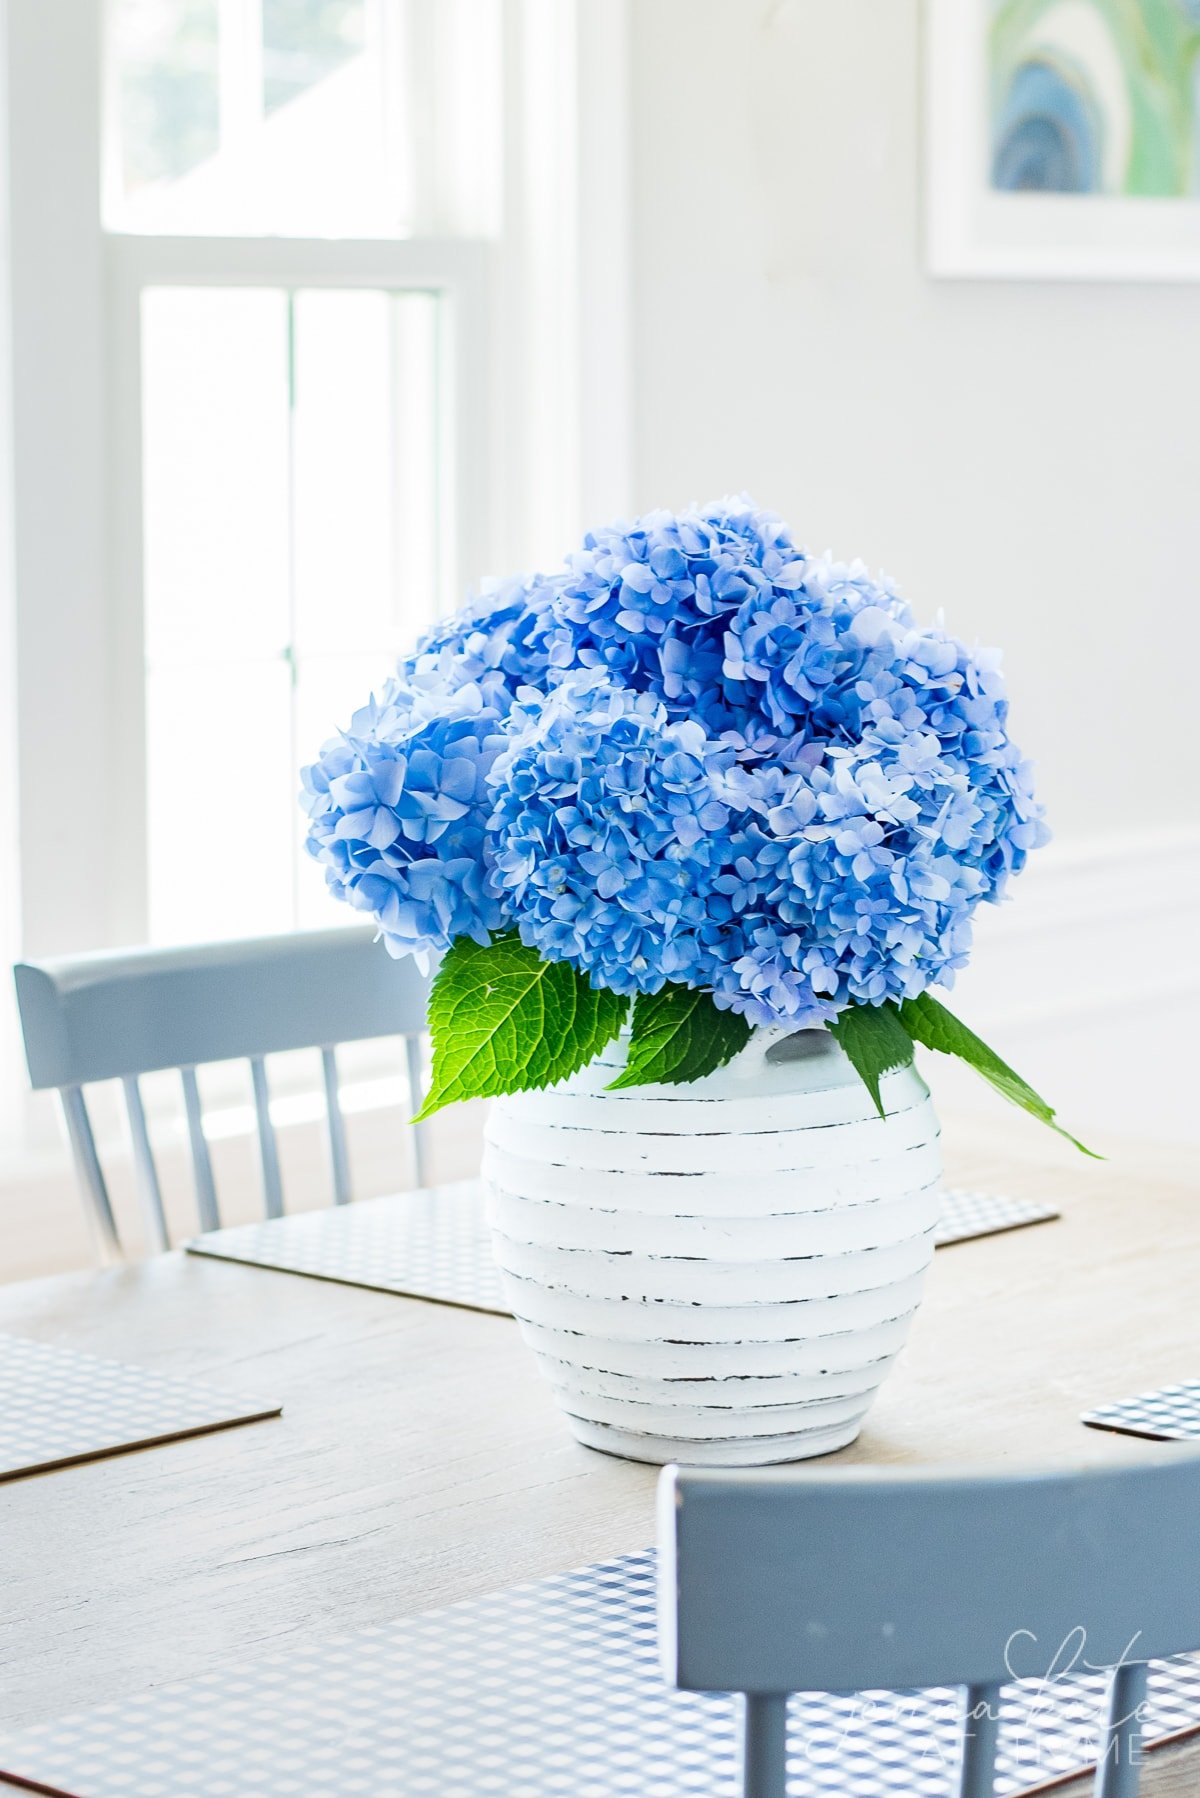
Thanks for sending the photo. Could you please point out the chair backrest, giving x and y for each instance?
(127, 1013)
(849, 1580)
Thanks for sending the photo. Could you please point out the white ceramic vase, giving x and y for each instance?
(717, 1273)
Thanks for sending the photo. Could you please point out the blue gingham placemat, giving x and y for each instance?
(429, 1244)
(1171, 1415)
(967, 1214)
(58, 1406)
(434, 1244)
(549, 1688)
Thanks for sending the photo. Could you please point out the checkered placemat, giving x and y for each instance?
(428, 1244)
(968, 1214)
(1170, 1415)
(544, 1689)
(58, 1406)
(434, 1243)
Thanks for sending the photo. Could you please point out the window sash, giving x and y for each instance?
(460, 273)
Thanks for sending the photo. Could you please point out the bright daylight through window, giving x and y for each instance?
(295, 509)
(286, 564)
(231, 116)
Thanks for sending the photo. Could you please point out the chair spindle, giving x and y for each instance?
(764, 1745)
(207, 1210)
(146, 1173)
(416, 1094)
(980, 1740)
(268, 1148)
(89, 1171)
(1118, 1774)
(339, 1158)
(127, 1015)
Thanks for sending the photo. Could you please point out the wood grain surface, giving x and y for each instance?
(420, 1459)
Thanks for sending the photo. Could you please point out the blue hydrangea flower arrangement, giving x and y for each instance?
(694, 782)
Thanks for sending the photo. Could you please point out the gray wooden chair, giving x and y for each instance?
(123, 1014)
(863, 1578)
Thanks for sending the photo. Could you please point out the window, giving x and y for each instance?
(318, 312)
(287, 562)
(295, 516)
(340, 118)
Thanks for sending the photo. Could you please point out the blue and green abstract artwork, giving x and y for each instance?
(1095, 97)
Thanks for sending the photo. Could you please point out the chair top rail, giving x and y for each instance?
(103, 1016)
(863, 1578)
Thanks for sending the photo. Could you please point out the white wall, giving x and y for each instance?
(64, 650)
(12, 1073)
(1023, 455)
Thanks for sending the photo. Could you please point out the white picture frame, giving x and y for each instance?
(973, 231)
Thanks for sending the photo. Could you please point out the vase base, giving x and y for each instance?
(747, 1451)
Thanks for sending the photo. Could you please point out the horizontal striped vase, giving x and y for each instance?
(718, 1273)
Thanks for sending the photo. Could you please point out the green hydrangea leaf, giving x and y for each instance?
(874, 1041)
(928, 1022)
(505, 1021)
(679, 1035)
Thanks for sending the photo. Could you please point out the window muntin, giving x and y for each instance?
(304, 118)
(295, 540)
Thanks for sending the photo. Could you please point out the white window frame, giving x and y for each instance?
(457, 271)
(539, 376)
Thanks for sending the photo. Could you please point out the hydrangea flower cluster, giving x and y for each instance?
(695, 753)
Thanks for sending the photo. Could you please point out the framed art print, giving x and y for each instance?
(1062, 139)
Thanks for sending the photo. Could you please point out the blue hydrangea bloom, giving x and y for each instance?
(602, 829)
(651, 602)
(396, 809)
(695, 753)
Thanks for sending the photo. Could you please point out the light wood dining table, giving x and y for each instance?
(420, 1458)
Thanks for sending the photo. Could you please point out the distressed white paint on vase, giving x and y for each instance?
(717, 1273)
